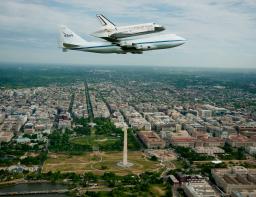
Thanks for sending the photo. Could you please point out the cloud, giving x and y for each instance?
(216, 30)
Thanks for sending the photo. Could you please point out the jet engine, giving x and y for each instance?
(143, 47)
(127, 44)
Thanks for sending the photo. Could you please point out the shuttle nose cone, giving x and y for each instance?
(159, 28)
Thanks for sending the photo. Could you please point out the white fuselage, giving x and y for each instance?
(127, 31)
(133, 45)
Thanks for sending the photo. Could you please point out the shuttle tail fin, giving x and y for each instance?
(105, 22)
(69, 39)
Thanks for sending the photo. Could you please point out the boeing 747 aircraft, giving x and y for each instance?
(71, 41)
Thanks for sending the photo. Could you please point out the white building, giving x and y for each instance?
(251, 150)
(199, 189)
(205, 113)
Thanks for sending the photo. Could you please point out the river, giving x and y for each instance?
(34, 187)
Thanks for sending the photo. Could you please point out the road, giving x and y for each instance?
(88, 102)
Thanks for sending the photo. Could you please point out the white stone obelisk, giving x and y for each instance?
(125, 163)
(125, 147)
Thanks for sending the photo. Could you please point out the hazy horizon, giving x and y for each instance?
(109, 66)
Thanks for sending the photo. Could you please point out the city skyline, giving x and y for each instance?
(219, 34)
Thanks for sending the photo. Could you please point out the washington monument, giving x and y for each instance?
(125, 162)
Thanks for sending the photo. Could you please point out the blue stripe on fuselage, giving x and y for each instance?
(93, 47)
(151, 42)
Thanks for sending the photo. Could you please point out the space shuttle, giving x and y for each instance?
(111, 32)
(115, 39)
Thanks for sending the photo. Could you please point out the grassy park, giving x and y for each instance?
(100, 141)
(98, 163)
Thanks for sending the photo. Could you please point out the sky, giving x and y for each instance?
(219, 33)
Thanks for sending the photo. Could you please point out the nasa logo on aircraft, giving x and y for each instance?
(68, 35)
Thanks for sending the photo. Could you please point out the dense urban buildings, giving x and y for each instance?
(197, 129)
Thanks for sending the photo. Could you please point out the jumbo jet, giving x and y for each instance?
(112, 32)
(71, 41)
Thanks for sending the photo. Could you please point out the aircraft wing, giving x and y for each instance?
(127, 46)
(112, 40)
(130, 47)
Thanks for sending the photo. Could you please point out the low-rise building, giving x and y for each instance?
(29, 128)
(135, 119)
(2, 117)
(204, 113)
(247, 131)
(202, 189)
(209, 150)
(251, 150)
(151, 139)
(159, 121)
(236, 178)
(184, 178)
(21, 168)
(240, 141)
(210, 142)
(182, 138)
(174, 181)
(23, 140)
(6, 136)
(244, 193)
(162, 154)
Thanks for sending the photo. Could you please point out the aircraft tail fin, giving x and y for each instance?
(69, 39)
(105, 21)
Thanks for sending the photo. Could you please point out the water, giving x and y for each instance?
(42, 195)
(34, 187)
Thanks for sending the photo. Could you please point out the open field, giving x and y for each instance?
(95, 140)
(99, 162)
(157, 190)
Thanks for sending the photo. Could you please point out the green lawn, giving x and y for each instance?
(94, 140)
(99, 163)
(180, 164)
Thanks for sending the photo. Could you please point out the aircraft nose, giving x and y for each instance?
(181, 39)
